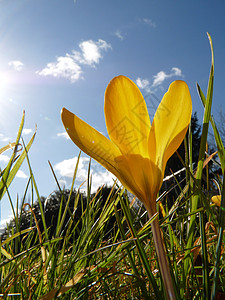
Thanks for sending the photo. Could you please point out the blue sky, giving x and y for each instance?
(63, 53)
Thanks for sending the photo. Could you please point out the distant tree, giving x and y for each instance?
(174, 163)
(221, 126)
(52, 205)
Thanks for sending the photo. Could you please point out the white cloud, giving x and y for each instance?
(161, 76)
(92, 51)
(4, 138)
(158, 80)
(63, 134)
(4, 158)
(176, 72)
(70, 65)
(149, 22)
(16, 65)
(99, 174)
(119, 35)
(27, 131)
(4, 222)
(65, 66)
(142, 83)
(21, 174)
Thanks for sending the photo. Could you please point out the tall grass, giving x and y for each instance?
(77, 262)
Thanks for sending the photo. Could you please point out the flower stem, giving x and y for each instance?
(162, 258)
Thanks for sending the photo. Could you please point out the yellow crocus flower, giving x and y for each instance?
(137, 151)
(216, 199)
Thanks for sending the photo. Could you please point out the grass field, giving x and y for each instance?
(78, 262)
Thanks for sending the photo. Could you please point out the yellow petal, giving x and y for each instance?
(216, 199)
(127, 117)
(141, 177)
(89, 140)
(170, 123)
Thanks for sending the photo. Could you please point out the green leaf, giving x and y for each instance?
(5, 183)
(219, 143)
(7, 177)
(206, 120)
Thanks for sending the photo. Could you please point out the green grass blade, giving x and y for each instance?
(35, 187)
(206, 119)
(219, 143)
(7, 177)
(140, 249)
(131, 260)
(205, 263)
(219, 243)
(19, 161)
